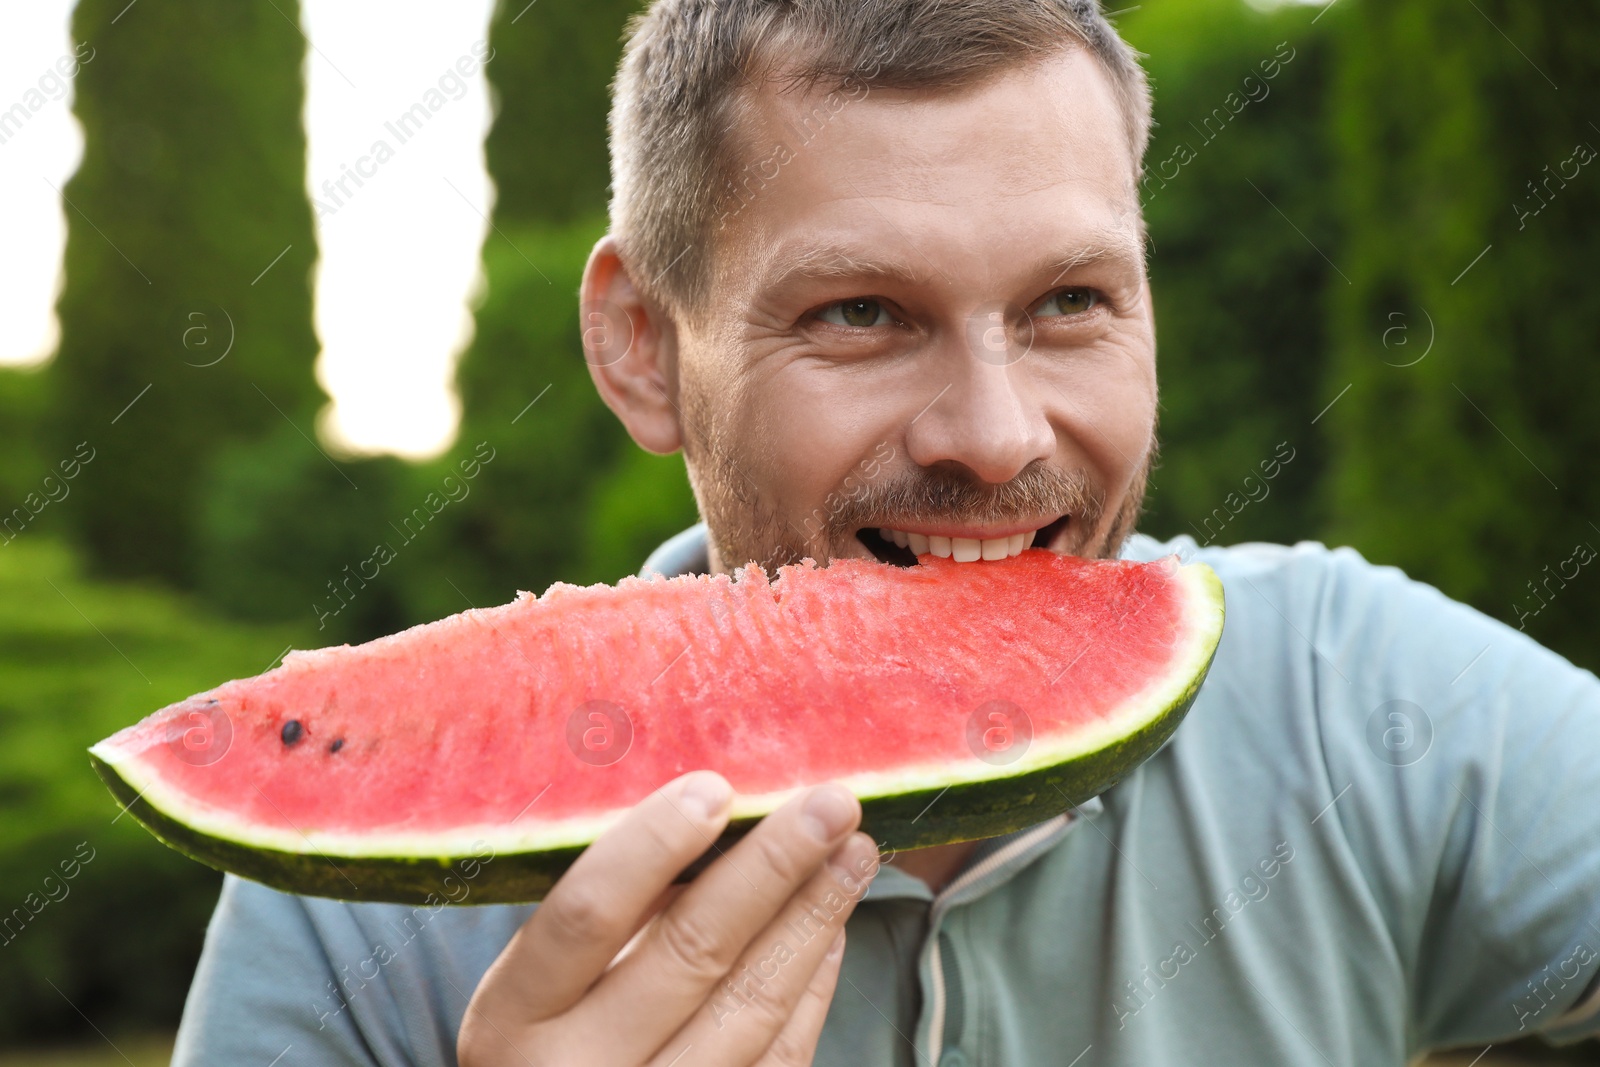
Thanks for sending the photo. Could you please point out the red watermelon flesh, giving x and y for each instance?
(521, 731)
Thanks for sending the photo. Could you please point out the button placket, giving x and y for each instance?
(977, 880)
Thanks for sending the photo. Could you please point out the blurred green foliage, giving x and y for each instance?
(282, 527)
(80, 659)
(24, 397)
(192, 183)
(542, 485)
(555, 453)
(1471, 468)
(564, 495)
(1238, 292)
(550, 77)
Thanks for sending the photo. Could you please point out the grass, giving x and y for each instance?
(146, 1051)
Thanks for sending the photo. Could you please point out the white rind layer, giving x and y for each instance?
(1203, 618)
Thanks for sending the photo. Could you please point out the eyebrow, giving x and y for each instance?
(1116, 247)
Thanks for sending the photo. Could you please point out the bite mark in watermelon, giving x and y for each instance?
(957, 701)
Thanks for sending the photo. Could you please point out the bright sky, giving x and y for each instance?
(36, 154)
(398, 253)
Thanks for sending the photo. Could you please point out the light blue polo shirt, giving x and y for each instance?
(1376, 833)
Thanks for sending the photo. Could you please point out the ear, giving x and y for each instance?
(631, 346)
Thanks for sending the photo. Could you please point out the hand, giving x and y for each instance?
(740, 964)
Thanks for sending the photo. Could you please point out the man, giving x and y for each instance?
(908, 231)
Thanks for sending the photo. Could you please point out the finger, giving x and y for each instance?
(668, 895)
(796, 1043)
(604, 899)
(695, 942)
(752, 1006)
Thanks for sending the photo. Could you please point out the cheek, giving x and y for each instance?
(1105, 407)
(1131, 416)
(820, 435)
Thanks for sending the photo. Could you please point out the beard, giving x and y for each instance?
(744, 524)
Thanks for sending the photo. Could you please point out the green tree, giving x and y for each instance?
(549, 78)
(1470, 182)
(562, 494)
(1237, 198)
(24, 396)
(186, 316)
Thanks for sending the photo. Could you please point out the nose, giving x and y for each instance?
(984, 418)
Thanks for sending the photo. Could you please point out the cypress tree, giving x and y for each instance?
(550, 81)
(186, 315)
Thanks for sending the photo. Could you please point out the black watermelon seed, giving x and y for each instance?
(338, 743)
(292, 731)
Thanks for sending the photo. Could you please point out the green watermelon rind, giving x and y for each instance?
(1006, 799)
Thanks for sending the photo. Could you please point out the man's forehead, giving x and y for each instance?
(967, 168)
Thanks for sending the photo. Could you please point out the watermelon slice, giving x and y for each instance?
(956, 700)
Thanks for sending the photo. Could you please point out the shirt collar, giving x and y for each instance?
(682, 553)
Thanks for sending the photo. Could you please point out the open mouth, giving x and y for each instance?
(902, 547)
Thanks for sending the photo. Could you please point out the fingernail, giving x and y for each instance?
(836, 949)
(705, 794)
(829, 812)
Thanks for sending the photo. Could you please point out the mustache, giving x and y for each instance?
(935, 495)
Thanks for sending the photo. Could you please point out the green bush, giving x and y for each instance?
(542, 485)
(285, 533)
(80, 660)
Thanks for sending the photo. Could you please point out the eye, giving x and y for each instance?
(1073, 301)
(859, 312)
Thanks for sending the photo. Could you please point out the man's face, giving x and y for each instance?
(934, 320)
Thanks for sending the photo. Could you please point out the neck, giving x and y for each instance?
(936, 866)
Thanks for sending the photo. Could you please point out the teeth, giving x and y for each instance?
(1027, 538)
(962, 549)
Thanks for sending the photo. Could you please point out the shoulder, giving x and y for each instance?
(1353, 672)
(1333, 604)
(1435, 767)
